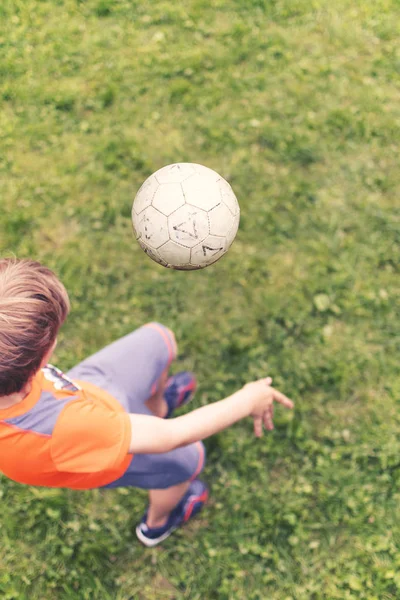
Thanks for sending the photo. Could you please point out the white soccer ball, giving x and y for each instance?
(185, 216)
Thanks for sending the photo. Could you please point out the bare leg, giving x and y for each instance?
(156, 403)
(163, 501)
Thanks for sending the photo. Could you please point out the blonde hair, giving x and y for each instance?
(33, 306)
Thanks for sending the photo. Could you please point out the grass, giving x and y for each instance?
(296, 104)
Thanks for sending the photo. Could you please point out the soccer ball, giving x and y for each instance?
(185, 216)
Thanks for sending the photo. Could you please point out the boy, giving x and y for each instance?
(103, 424)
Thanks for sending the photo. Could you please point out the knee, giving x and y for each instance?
(189, 464)
(167, 336)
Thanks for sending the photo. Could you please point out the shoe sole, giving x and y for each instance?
(153, 542)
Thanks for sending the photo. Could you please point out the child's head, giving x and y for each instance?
(33, 306)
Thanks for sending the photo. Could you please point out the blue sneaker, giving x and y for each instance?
(179, 390)
(191, 503)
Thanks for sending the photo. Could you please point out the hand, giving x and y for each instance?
(262, 397)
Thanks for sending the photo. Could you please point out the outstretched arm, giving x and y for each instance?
(156, 435)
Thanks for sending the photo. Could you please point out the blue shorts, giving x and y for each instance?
(129, 370)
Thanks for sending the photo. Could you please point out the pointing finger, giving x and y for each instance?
(282, 399)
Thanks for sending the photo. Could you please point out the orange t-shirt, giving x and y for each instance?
(64, 434)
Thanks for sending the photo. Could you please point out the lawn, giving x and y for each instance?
(296, 103)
